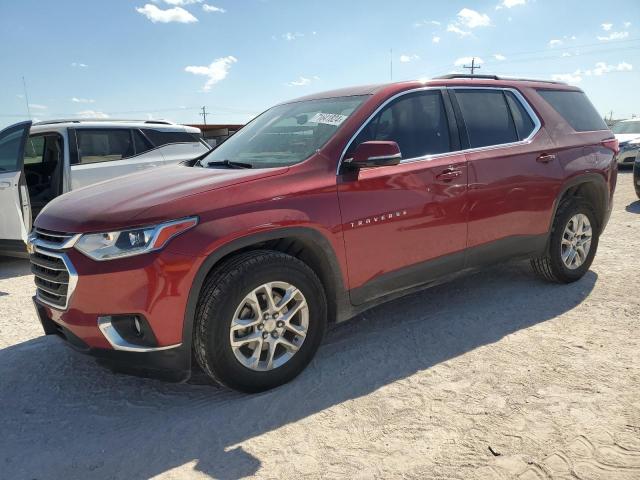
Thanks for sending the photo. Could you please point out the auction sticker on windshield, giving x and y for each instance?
(328, 118)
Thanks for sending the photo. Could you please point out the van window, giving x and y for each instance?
(163, 137)
(575, 108)
(522, 119)
(104, 145)
(487, 117)
(34, 150)
(142, 145)
(417, 122)
(10, 149)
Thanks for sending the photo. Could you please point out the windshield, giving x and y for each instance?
(626, 127)
(286, 134)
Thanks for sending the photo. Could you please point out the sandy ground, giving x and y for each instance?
(494, 376)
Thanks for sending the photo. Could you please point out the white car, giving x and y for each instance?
(628, 134)
(41, 161)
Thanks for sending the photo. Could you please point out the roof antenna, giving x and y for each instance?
(26, 97)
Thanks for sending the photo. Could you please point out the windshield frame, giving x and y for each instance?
(203, 160)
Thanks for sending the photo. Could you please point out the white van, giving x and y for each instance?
(41, 161)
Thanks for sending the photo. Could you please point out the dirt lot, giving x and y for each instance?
(496, 375)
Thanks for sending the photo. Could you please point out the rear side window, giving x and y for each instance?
(104, 145)
(416, 122)
(522, 119)
(575, 108)
(487, 117)
(140, 142)
(162, 137)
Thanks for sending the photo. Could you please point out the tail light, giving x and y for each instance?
(611, 144)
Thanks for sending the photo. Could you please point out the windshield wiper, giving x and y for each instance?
(229, 164)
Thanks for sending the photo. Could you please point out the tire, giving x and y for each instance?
(551, 266)
(223, 295)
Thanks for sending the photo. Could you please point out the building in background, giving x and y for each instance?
(217, 133)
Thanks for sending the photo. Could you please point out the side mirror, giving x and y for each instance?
(375, 154)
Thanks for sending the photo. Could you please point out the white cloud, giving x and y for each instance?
(301, 82)
(575, 77)
(565, 54)
(455, 29)
(607, 26)
(472, 19)
(37, 106)
(435, 39)
(499, 56)
(289, 36)
(467, 60)
(157, 15)
(79, 65)
(216, 71)
(426, 23)
(82, 100)
(212, 8)
(627, 24)
(614, 36)
(510, 3)
(555, 43)
(601, 68)
(92, 114)
(408, 58)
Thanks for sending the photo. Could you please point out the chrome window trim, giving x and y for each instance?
(73, 279)
(525, 104)
(118, 343)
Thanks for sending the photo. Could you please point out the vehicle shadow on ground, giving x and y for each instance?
(65, 417)
(633, 207)
(14, 267)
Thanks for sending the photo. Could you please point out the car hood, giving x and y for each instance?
(122, 202)
(625, 137)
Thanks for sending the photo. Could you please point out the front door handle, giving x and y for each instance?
(546, 158)
(4, 185)
(449, 174)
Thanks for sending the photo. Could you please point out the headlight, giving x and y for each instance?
(134, 241)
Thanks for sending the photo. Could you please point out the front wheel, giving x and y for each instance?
(573, 243)
(259, 321)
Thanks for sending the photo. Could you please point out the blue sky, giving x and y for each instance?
(168, 58)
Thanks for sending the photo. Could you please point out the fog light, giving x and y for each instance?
(137, 326)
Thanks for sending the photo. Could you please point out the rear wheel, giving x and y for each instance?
(573, 243)
(259, 321)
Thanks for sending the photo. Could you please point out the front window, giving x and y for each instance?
(627, 127)
(286, 134)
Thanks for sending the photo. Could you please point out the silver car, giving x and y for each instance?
(628, 134)
(41, 161)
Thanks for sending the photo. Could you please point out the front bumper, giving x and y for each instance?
(627, 157)
(154, 286)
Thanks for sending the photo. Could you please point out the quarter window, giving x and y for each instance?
(416, 122)
(487, 117)
(104, 145)
(165, 137)
(522, 119)
(575, 108)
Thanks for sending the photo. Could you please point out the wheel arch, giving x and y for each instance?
(306, 244)
(593, 188)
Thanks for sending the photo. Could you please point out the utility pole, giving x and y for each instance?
(473, 66)
(204, 114)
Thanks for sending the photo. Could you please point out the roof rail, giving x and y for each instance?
(494, 77)
(106, 120)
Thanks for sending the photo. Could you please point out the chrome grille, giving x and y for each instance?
(55, 276)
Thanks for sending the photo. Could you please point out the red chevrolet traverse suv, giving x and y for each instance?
(316, 210)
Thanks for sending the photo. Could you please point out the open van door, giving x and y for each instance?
(15, 209)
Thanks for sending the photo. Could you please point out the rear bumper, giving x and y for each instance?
(172, 364)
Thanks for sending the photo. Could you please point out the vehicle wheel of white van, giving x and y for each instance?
(259, 321)
(573, 243)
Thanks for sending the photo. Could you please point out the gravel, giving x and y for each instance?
(497, 375)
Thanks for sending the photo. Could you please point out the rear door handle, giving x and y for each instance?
(546, 158)
(449, 174)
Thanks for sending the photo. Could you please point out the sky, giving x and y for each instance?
(166, 59)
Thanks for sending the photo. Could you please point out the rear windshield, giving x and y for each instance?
(627, 127)
(575, 108)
